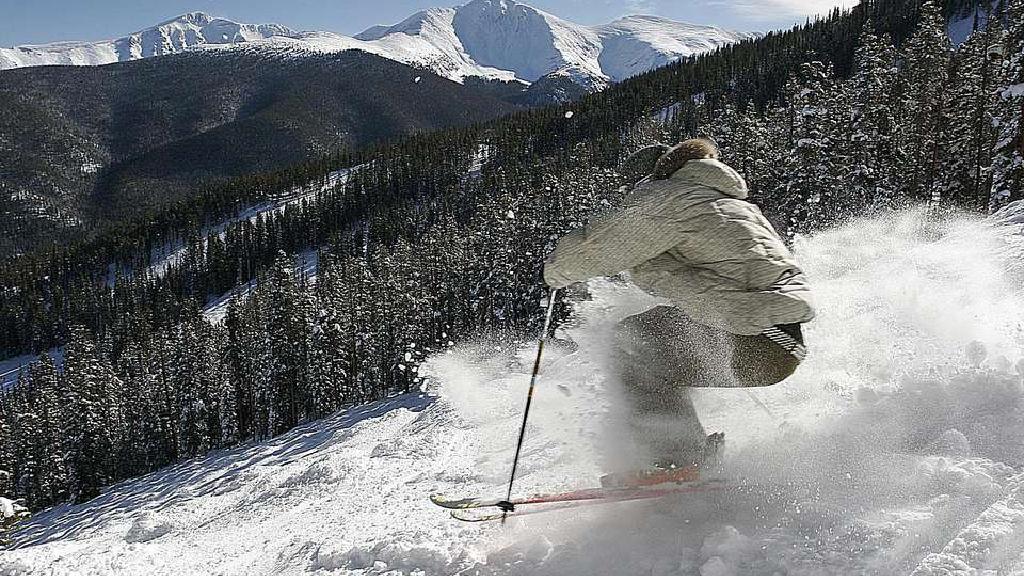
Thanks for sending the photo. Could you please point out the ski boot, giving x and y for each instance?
(658, 473)
(668, 472)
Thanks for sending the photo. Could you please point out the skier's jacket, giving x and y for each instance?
(696, 241)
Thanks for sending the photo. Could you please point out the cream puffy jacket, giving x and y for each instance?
(695, 240)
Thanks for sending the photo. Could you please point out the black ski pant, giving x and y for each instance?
(662, 354)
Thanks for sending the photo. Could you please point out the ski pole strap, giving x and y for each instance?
(508, 507)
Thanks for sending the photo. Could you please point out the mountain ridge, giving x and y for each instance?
(81, 145)
(492, 39)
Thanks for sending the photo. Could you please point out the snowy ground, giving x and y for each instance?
(11, 368)
(894, 450)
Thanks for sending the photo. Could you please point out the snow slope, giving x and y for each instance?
(497, 39)
(894, 450)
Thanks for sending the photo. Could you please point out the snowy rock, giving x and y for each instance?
(332, 558)
(972, 477)
(15, 568)
(953, 443)
(11, 509)
(1012, 213)
(867, 396)
(149, 526)
(715, 566)
(728, 544)
(976, 353)
(316, 474)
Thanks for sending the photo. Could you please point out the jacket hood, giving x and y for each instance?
(713, 174)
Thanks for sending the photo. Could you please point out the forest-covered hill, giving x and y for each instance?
(85, 146)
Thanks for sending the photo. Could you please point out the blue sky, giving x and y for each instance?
(39, 21)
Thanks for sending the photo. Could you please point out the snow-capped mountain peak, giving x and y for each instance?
(497, 39)
(530, 43)
(176, 35)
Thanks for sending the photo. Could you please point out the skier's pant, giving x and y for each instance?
(661, 354)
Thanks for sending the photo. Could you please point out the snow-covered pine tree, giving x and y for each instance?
(813, 170)
(237, 355)
(965, 181)
(165, 371)
(92, 416)
(6, 444)
(873, 156)
(191, 386)
(140, 450)
(27, 433)
(286, 335)
(52, 480)
(259, 365)
(328, 369)
(924, 81)
(1008, 153)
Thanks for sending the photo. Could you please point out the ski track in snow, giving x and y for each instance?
(171, 253)
(894, 450)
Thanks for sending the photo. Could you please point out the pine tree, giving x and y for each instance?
(241, 388)
(52, 481)
(286, 338)
(27, 434)
(924, 78)
(89, 381)
(874, 160)
(140, 450)
(1008, 164)
(972, 109)
(813, 171)
(191, 391)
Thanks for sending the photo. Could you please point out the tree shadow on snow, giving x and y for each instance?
(206, 475)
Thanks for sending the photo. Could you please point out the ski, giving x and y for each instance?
(581, 495)
(476, 515)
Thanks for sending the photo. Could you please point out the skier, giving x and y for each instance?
(738, 298)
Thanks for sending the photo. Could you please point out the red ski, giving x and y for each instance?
(585, 495)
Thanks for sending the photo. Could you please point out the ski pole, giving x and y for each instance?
(506, 506)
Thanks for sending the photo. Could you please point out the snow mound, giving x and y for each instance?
(1011, 214)
(11, 510)
(895, 449)
(149, 526)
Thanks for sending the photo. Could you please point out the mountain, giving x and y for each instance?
(170, 37)
(492, 39)
(511, 37)
(81, 145)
